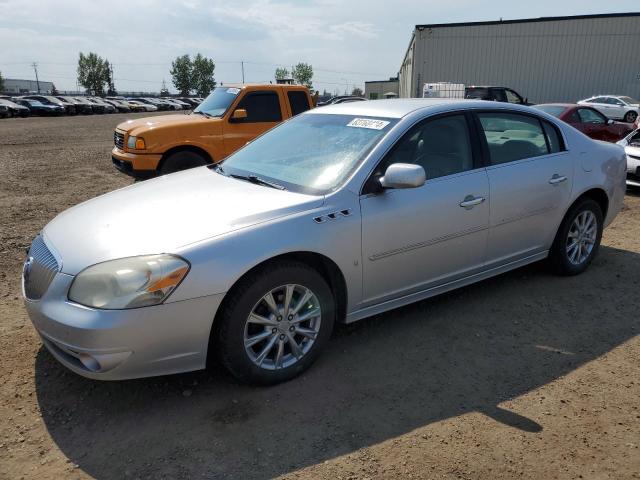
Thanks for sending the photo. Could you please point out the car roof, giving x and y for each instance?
(400, 107)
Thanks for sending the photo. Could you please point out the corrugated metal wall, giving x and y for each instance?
(558, 60)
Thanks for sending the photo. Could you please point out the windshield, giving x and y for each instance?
(217, 103)
(555, 110)
(311, 153)
(629, 100)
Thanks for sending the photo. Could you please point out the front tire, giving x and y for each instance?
(274, 323)
(630, 117)
(179, 161)
(578, 238)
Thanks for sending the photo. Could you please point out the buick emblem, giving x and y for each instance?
(26, 269)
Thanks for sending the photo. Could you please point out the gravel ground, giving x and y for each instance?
(526, 375)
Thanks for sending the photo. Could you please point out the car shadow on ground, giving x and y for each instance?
(465, 351)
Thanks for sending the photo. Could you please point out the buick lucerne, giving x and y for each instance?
(340, 213)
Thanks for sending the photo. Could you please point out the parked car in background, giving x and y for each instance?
(81, 106)
(108, 107)
(588, 120)
(138, 106)
(318, 221)
(618, 107)
(95, 106)
(229, 118)
(631, 144)
(191, 101)
(14, 109)
(341, 99)
(495, 94)
(183, 105)
(68, 108)
(121, 106)
(150, 101)
(36, 107)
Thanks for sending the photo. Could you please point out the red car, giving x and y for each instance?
(588, 120)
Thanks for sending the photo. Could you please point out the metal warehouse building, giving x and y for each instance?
(545, 59)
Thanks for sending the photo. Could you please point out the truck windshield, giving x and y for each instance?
(217, 103)
(312, 153)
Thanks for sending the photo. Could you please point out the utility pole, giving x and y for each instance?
(113, 82)
(242, 65)
(35, 69)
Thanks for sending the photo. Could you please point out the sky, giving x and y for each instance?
(346, 42)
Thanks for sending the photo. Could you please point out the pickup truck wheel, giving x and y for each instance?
(631, 117)
(274, 323)
(578, 238)
(181, 161)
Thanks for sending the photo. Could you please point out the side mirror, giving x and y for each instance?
(609, 121)
(239, 114)
(526, 101)
(403, 175)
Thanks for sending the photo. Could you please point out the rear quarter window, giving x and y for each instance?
(298, 101)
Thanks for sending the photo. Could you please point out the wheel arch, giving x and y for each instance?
(325, 266)
(597, 194)
(184, 148)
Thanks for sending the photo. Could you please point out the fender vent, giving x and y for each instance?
(332, 216)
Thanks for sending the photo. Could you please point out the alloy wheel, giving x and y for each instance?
(282, 327)
(581, 237)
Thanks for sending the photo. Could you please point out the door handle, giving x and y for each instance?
(556, 179)
(470, 201)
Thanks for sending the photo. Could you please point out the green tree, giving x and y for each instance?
(303, 74)
(1, 82)
(202, 79)
(181, 73)
(281, 73)
(93, 73)
(356, 92)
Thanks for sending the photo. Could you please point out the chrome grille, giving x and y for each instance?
(39, 269)
(118, 139)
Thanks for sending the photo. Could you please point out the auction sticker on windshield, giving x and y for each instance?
(368, 123)
(233, 91)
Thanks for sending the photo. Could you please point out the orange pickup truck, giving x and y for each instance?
(226, 120)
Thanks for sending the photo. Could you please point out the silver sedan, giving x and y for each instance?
(341, 213)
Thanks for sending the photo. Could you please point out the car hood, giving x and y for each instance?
(140, 125)
(164, 214)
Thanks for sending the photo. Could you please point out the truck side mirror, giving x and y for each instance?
(239, 114)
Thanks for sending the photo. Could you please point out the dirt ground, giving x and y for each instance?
(526, 375)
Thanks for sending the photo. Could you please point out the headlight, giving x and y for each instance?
(128, 282)
(136, 143)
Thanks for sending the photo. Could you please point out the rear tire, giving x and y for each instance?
(578, 238)
(179, 161)
(291, 342)
(631, 117)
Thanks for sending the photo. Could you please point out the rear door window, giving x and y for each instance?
(511, 137)
(298, 101)
(261, 107)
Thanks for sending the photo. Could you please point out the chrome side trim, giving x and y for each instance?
(427, 243)
(516, 218)
(437, 290)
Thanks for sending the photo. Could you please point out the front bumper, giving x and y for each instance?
(122, 344)
(139, 166)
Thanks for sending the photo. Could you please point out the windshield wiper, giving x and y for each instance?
(203, 113)
(259, 181)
